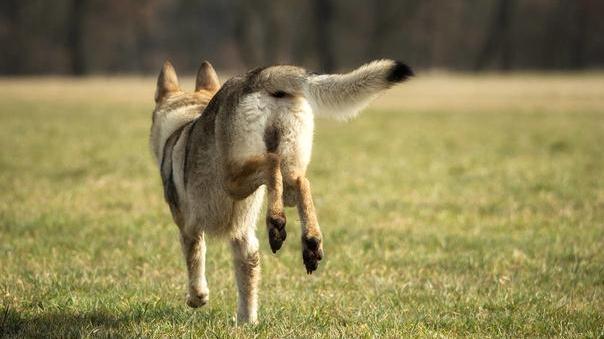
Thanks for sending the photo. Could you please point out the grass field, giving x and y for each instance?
(455, 206)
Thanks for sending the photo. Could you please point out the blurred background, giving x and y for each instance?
(467, 202)
(132, 36)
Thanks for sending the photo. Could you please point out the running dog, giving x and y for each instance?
(218, 146)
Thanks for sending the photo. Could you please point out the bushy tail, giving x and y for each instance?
(343, 96)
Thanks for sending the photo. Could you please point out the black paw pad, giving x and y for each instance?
(276, 231)
(311, 253)
(312, 243)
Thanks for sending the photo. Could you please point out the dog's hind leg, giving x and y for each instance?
(246, 258)
(312, 243)
(275, 216)
(194, 250)
(245, 178)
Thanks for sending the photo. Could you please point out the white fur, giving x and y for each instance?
(166, 124)
(293, 118)
(343, 96)
(248, 127)
(178, 160)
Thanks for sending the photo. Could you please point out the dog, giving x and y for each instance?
(219, 146)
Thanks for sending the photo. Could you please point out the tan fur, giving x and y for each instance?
(274, 183)
(217, 147)
(167, 82)
(207, 79)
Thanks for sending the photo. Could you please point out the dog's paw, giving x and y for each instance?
(276, 231)
(312, 252)
(246, 319)
(197, 299)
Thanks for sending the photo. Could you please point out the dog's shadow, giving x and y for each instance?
(135, 323)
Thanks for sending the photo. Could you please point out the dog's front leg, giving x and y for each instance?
(194, 250)
(243, 179)
(312, 243)
(246, 258)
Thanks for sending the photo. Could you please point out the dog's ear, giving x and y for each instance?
(207, 79)
(167, 82)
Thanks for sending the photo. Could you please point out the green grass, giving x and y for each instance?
(463, 220)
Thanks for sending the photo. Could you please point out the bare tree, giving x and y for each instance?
(499, 38)
(388, 15)
(324, 14)
(11, 12)
(579, 33)
(75, 39)
(257, 32)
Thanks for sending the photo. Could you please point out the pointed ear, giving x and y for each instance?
(207, 78)
(167, 82)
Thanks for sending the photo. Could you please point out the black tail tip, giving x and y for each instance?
(400, 72)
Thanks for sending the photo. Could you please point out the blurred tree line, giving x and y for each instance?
(108, 36)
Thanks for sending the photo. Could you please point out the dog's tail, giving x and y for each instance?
(343, 96)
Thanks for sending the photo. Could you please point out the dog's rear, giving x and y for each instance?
(282, 101)
(338, 96)
(266, 136)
